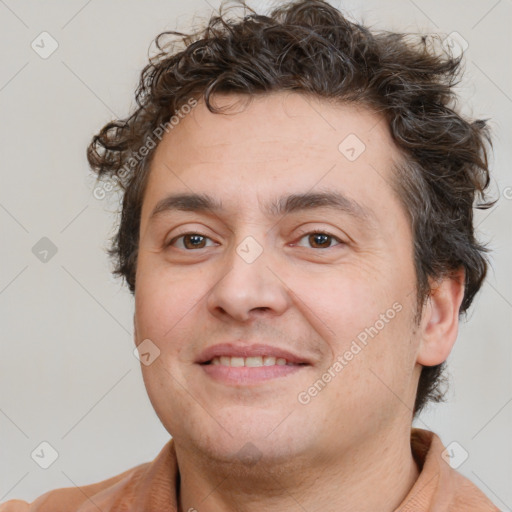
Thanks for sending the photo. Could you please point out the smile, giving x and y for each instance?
(252, 362)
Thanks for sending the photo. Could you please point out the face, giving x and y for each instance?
(304, 253)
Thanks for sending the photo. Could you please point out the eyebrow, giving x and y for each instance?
(283, 205)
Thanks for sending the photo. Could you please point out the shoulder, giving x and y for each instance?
(71, 499)
(439, 486)
(152, 484)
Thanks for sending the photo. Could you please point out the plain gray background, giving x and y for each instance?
(68, 375)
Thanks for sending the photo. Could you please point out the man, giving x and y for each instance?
(297, 233)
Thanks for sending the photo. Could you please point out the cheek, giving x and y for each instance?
(339, 303)
(364, 321)
(162, 287)
(161, 302)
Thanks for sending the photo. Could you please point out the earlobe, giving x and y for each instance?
(440, 320)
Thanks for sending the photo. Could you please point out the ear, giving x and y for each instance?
(440, 319)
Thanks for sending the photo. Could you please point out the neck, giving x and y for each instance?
(377, 476)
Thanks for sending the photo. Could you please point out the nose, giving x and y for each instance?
(247, 288)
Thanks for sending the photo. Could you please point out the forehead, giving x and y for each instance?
(278, 120)
(285, 141)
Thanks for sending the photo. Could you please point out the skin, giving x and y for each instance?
(348, 448)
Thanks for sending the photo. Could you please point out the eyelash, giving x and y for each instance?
(314, 232)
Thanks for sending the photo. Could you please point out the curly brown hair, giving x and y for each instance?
(309, 47)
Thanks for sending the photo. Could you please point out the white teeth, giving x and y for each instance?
(253, 361)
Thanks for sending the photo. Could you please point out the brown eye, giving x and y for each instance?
(194, 241)
(190, 241)
(321, 239)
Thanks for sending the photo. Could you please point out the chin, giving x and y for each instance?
(236, 432)
(250, 454)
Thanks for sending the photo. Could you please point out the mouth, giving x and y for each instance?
(237, 355)
(251, 362)
(249, 365)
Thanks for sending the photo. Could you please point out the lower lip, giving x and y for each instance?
(248, 374)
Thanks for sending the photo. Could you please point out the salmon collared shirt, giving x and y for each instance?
(153, 487)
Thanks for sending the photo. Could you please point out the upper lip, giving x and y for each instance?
(231, 350)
